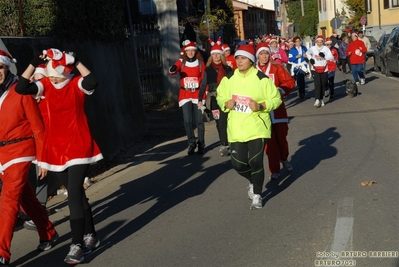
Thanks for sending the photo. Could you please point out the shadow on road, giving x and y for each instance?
(312, 151)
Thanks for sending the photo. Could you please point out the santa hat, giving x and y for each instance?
(290, 41)
(6, 58)
(319, 38)
(246, 50)
(187, 44)
(328, 40)
(41, 69)
(273, 39)
(354, 34)
(61, 62)
(262, 47)
(216, 47)
(225, 47)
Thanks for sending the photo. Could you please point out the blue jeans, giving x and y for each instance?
(192, 116)
(357, 71)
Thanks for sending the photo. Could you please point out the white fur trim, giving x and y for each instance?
(245, 54)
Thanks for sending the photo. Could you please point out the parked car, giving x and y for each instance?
(391, 53)
(373, 42)
(378, 51)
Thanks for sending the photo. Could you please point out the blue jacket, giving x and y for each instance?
(294, 52)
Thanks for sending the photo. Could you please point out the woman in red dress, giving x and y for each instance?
(69, 148)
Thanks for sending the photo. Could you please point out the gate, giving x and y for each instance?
(147, 39)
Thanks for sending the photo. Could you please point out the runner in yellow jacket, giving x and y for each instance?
(248, 95)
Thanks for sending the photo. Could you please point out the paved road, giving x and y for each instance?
(164, 208)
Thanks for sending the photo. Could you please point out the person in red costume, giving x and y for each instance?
(69, 148)
(356, 50)
(230, 59)
(277, 146)
(191, 68)
(21, 141)
(332, 67)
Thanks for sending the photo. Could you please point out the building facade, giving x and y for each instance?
(382, 16)
(328, 10)
(250, 20)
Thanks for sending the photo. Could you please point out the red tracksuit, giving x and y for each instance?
(19, 118)
(277, 146)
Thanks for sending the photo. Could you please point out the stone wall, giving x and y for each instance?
(115, 111)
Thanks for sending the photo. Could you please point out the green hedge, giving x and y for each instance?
(67, 20)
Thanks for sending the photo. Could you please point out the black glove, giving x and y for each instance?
(322, 54)
(36, 61)
(74, 55)
(173, 68)
(307, 60)
(312, 61)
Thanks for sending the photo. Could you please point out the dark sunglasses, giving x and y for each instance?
(2, 67)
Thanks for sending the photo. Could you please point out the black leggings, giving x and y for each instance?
(221, 123)
(81, 218)
(247, 160)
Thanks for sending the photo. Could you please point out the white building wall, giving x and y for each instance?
(266, 4)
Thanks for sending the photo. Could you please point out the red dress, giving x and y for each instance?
(67, 138)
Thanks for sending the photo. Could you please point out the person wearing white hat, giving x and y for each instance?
(248, 96)
(65, 95)
(356, 50)
(21, 142)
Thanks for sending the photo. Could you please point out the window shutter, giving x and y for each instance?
(386, 4)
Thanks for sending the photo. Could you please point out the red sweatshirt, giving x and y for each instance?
(356, 50)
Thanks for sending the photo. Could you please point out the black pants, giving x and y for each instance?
(81, 218)
(330, 82)
(320, 84)
(300, 81)
(221, 123)
(247, 160)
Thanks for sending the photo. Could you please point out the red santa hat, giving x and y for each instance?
(263, 46)
(6, 58)
(273, 39)
(225, 47)
(290, 41)
(355, 34)
(328, 40)
(319, 38)
(246, 50)
(187, 44)
(216, 47)
(60, 62)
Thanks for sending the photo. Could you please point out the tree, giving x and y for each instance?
(356, 10)
(307, 24)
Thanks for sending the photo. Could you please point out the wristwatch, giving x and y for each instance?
(261, 107)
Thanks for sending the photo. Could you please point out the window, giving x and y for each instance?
(319, 5)
(324, 5)
(394, 3)
(368, 6)
(386, 4)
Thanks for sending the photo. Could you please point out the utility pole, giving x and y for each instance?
(302, 9)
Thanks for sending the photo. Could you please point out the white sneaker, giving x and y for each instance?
(256, 202)
(287, 165)
(327, 93)
(250, 191)
(322, 103)
(317, 103)
(362, 81)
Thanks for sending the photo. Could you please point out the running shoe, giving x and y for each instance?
(287, 165)
(75, 254)
(3, 262)
(46, 245)
(90, 242)
(274, 176)
(30, 225)
(256, 202)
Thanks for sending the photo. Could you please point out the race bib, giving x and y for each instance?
(242, 104)
(191, 82)
(216, 114)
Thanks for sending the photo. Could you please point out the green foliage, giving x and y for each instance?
(9, 24)
(39, 17)
(356, 10)
(72, 20)
(307, 25)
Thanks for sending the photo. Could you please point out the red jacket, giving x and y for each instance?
(190, 80)
(284, 83)
(332, 64)
(356, 50)
(231, 62)
(20, 118)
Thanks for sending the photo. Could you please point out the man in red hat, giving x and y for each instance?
(277, 145)
(21, 141)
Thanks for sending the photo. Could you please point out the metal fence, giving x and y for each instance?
(147, 39)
